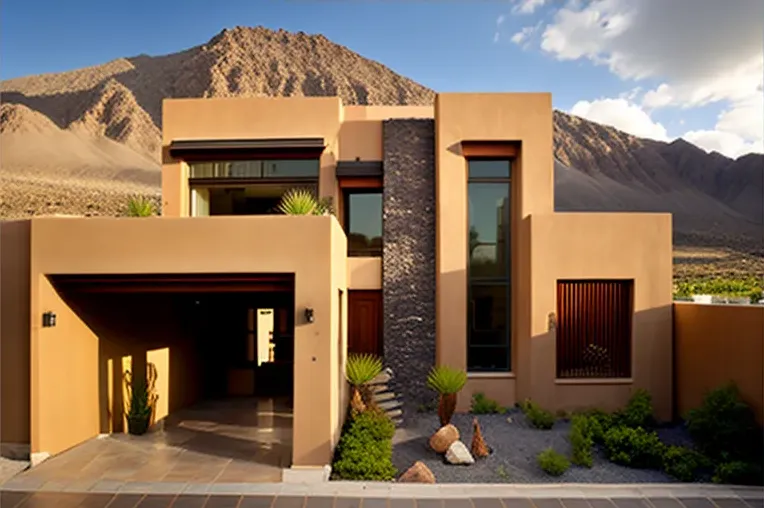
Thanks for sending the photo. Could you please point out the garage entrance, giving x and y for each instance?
(218, 347)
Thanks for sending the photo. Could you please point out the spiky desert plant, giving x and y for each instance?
(359, 371)
(139, 206)
(448, 382)
(479, 449)
(304, 202)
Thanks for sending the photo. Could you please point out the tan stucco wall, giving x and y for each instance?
(364, 273)
(600, 246)
(361, 130)
(67, 355)
(715, 344)
(14, 336)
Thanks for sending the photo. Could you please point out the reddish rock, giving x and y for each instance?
(443, 438)
(418, 473)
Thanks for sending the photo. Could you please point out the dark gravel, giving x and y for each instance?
(515, 446)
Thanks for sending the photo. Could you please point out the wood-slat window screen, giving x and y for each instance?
(594, 319)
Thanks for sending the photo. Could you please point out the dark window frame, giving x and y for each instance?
(505, 280)
(251, 179)
(346, 193)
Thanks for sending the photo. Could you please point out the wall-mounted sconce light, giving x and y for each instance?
(309, 315)
(48, 319)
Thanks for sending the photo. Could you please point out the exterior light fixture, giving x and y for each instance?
(48, 319)
(309, 315)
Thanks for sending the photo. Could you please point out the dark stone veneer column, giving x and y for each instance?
(408, 259)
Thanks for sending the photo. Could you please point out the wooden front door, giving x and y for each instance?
(365, 322)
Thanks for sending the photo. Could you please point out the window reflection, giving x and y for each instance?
(363, 223)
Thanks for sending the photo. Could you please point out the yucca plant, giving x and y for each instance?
(140, 206)
(303, 202)
(359, 371)
(448, 382)
(140, 409)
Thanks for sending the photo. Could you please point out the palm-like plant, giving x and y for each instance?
(359, 371)
(139, 206)
(448, 383)
(304, 202)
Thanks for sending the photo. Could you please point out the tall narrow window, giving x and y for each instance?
(363, 222)
(488, 311)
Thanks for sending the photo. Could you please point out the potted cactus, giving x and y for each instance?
(448, 382)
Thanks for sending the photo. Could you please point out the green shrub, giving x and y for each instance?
(684, 464)
(539, 418)
(581, 440)
(719, 286)
(638, 411)
(365, 449)
(637, 448)
(482, 405)
(553, 463)
(739, 473)
(599, 423)
(141, 206)
(724, 427)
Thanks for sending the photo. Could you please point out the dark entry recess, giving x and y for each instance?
(175, 283)
(365, 322)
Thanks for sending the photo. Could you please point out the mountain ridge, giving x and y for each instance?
(109, 116)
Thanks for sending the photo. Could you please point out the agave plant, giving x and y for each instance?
(448, 383)
(140, 206)
(303, 202)
(359, 371)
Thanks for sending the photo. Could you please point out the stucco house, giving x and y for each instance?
(444, 249)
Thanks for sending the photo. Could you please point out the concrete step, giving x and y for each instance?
(383, 378)
(383, 396)
(389, 405)
(394, 413)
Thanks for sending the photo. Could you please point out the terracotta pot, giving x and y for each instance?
(446, 408)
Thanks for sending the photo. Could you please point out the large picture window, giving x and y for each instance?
(488, 310)
(363, 222)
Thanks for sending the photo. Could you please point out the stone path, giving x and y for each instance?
(17, 499)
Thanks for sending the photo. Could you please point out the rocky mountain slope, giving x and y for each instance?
(80, 141)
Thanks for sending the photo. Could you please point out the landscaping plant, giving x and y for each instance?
(684, 464)
(448, 383)
(739, 472)
(552, 462)
(139, 206)
(539, 418)
(599, 422)
(304, 202)
(482, 405)
(581, 441)
(140, 409)
(365, 450)
(638, 411)
(360, 370)
(636, 448)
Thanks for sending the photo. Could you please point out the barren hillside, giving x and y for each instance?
(81, 141)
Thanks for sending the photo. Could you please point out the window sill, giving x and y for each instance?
(490, 375)
(595, 381)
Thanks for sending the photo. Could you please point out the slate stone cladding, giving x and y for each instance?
(408, 258)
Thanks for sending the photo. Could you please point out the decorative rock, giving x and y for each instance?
(442, 439)
(478, 448)
(418, 473)
(459, 454)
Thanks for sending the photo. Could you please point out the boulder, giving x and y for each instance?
(418, 473)
(442, 439)
(459, 454)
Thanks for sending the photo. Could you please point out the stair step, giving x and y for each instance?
(383, 396)
(389, 405)
(393, 413)
(383, 378)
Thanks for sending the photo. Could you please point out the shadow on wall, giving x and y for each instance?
(138, 334)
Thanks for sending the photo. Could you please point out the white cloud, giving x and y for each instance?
(500, 19)
(523, 36)
(723, 142)
(527, 6)
(621, 114)
(700, 51)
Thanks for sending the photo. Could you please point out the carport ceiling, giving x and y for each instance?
(175, 283)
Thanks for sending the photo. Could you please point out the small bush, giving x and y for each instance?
(739, 473)
(539, 418)
(581, 440)
(553, 463)
(637, 448)
(684, 464)
(638, 411)
(599, 423)
(724, 427)
(482, 405)
(365, 449)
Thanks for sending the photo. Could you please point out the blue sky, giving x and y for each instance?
(445, 45)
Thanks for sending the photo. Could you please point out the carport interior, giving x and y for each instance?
(217, 347)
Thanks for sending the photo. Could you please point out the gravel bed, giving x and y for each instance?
(515, 444)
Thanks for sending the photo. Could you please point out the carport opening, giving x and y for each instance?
(221, 348)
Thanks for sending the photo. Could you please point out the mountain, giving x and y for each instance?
(81, 141)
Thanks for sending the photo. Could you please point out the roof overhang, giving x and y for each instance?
(359, 168)
(266, 148)
(490, 149)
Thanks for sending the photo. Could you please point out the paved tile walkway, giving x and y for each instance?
(16, 499)
(235, 440)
